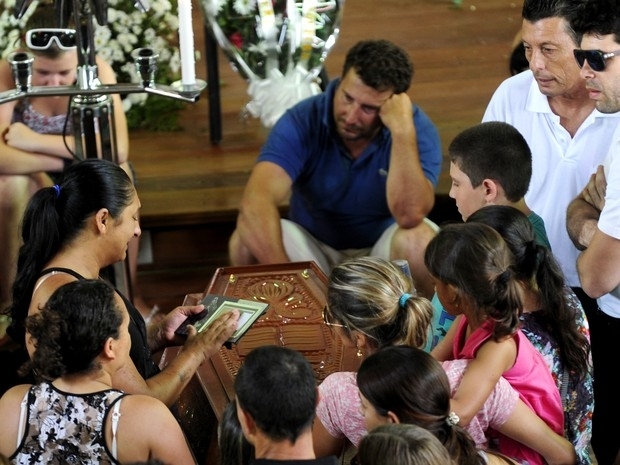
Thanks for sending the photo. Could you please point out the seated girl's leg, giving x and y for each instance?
(15, 192)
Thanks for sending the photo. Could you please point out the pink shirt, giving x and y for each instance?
(339, 408)
(529, 375)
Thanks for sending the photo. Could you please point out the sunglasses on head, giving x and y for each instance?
(41, 39)
(595, 58)
(326, 321)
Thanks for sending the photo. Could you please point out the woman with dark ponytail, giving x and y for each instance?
(553, 320)
(475, 280)
(55, 216)
(73, 230)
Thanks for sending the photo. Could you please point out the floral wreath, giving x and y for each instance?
(278, 46)
(128, 28)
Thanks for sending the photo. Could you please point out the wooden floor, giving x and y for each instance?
(190, 188)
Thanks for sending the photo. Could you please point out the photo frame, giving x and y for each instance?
(216, 305)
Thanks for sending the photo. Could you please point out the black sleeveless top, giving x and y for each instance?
(140, 353)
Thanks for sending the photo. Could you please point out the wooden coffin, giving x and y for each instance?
(295, 293)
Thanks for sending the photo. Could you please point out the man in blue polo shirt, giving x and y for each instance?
(359, 164)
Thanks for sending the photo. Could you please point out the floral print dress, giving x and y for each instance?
(576, 391)
(63, 428)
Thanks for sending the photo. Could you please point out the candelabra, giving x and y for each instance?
(91, 106)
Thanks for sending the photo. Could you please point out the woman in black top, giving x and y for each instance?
(74, 229)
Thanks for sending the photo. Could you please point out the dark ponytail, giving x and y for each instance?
(55, 216)
(477, 262)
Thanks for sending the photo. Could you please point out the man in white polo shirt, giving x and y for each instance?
(550, 106)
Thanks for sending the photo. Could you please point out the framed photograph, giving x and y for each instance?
(216, 305)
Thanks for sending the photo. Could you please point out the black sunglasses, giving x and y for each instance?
(595, 58)
(41, 39)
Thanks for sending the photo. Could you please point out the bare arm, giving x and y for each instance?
(168, 384)
(526, 427)
(410, 195)
(324, 443)
(581, 221)
(14, 160)
(160, 437)
(481, 377)
(258, 223)
(598, 265)
(596, 189)
(9, 412)
(20, 137)
(582, 214)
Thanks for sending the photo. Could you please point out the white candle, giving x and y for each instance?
(186, 43)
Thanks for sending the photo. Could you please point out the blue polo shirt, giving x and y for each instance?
(339, 200)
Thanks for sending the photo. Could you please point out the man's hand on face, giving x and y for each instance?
(396, 112)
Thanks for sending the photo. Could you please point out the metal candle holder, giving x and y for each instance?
(91, 107)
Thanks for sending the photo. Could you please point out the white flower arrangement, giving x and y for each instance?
(279, 46)
(128, 28)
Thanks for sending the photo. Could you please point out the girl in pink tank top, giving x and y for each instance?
(475, 281)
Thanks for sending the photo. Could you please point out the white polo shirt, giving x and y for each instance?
(609, 221)
(561, 165)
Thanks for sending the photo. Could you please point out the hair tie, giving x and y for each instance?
(452, 419)
(403, 299)
(57, 189)
(505, 277)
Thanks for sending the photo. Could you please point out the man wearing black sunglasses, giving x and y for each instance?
(550, 106)
(594, 221)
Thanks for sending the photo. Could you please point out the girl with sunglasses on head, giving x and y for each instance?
(37, 140)
(38, 136)
(371, 304)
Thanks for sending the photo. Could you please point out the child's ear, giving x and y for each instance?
(455, 296)
(491, 190)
